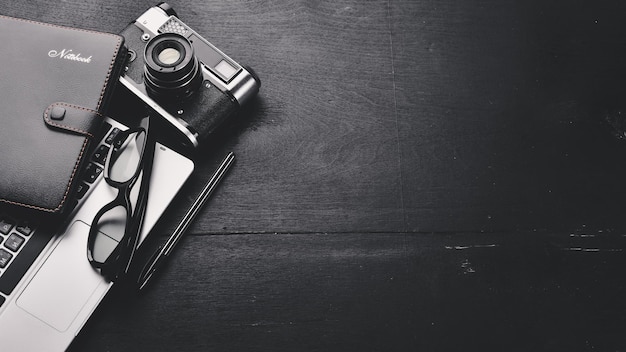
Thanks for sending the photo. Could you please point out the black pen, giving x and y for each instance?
(158, 258)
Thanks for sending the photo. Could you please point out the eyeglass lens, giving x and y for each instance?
(111, 228)
(126, 163)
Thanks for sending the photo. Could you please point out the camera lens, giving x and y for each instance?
(172, 70)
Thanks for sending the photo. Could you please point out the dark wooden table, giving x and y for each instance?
(414, 176)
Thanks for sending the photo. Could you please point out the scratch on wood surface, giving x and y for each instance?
(460, 248)
(467, 268)
(604, 241)
(591, 250)
(582, 235)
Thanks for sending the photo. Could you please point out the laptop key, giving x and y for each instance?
(5, 257)
(14, 272)
(24, 228)
(81, 190)
(14, 242)
(111, 137)
(5, 226)
(101, 153)
(92, 171)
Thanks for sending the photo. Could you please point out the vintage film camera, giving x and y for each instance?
(181, 76)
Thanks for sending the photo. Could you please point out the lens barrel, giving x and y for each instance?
(172, 71)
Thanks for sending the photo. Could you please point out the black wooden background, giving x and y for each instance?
(414, 176)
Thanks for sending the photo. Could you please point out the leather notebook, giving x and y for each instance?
(55, 83)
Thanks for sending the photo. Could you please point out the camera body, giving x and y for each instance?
(181, 76)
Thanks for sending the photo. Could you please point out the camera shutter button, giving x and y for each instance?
(57, 113)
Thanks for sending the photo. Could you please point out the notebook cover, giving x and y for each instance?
(54, 85)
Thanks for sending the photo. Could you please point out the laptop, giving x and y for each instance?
(48, 289)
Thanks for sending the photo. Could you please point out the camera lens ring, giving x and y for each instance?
(171, 69)
(168, 53)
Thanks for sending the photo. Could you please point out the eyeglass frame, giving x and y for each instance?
(118, 262)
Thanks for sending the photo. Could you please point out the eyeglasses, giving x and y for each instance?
(114, 232)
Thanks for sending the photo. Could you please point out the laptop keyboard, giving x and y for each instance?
(18, 252)
(20, 244)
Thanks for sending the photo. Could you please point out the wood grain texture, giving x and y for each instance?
(374, 292)
(503, 111)
(414, 175)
